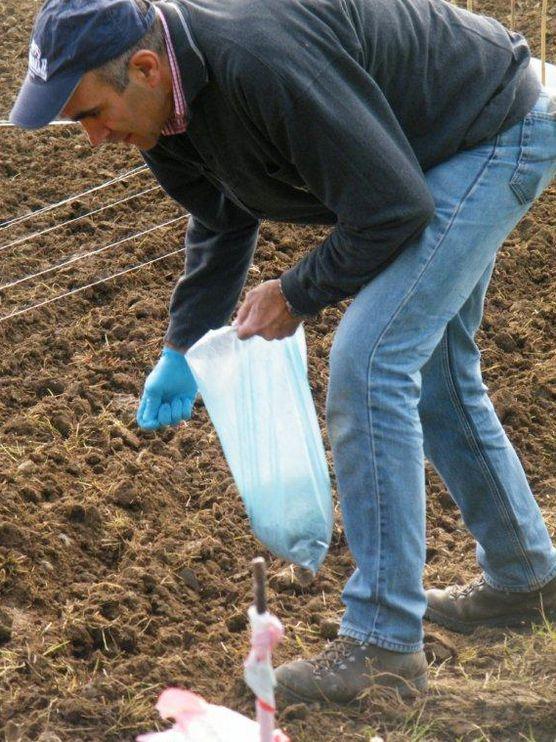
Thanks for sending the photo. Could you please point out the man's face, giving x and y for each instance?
(135, 117)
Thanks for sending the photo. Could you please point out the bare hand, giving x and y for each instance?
(264, 312)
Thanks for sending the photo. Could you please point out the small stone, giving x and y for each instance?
(130, 439)
(27, 467)
(189, 578)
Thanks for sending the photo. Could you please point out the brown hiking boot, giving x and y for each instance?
(346, 668)
(466, 608)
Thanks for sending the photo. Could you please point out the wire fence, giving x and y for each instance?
(78, 290)
(91, 253)
(27, 238)
(64, 265)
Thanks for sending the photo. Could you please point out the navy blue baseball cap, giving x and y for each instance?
(71, 37)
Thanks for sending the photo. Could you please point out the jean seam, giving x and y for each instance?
(537, 585)
(372, 637)
(440, 240)
(378, 500)
(515, 180)
(474, 443)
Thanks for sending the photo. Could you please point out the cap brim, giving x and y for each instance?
(39, 103)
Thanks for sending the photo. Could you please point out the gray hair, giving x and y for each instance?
(115, 72)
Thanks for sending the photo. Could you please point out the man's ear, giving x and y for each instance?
(146, 66)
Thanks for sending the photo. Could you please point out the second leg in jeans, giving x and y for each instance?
(467, 445)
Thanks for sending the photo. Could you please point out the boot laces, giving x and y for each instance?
(333, 656)
(463, 591)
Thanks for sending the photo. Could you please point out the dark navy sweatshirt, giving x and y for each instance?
(322, 112)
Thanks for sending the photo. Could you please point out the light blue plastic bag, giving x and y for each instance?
(258, 398)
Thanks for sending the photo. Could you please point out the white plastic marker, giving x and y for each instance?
(199, 721)
(266, 633)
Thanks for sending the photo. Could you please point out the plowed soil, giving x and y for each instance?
(124, 555)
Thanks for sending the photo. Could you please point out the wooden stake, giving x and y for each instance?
(259, 583)
(544, 15)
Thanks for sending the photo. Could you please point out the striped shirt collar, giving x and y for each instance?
(177, 123)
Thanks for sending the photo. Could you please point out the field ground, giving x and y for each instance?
(124, 556)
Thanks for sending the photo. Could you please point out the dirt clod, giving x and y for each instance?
(6, 622)
(329, 628)
(11, 535)
(237, 622)
(294, 711)
(63, 424)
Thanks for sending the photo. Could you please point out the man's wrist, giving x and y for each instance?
(292, 310)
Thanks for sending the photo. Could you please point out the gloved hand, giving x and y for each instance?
(169, 392)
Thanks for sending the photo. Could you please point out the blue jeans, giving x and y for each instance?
(405, 383)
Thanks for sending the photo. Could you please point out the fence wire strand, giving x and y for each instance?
(544, 15)
(88, 286)
(31, 214)
(57, 122)
(99, 250)
(21, 240)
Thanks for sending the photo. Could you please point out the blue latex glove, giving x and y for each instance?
(169, 392)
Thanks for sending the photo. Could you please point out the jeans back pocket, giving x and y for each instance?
(536, 165)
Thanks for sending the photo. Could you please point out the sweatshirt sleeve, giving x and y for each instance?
(219, 244)
(339, 132)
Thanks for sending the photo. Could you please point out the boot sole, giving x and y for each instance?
(500, 622)
(406, 689)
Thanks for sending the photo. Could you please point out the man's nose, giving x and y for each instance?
(97, 132)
